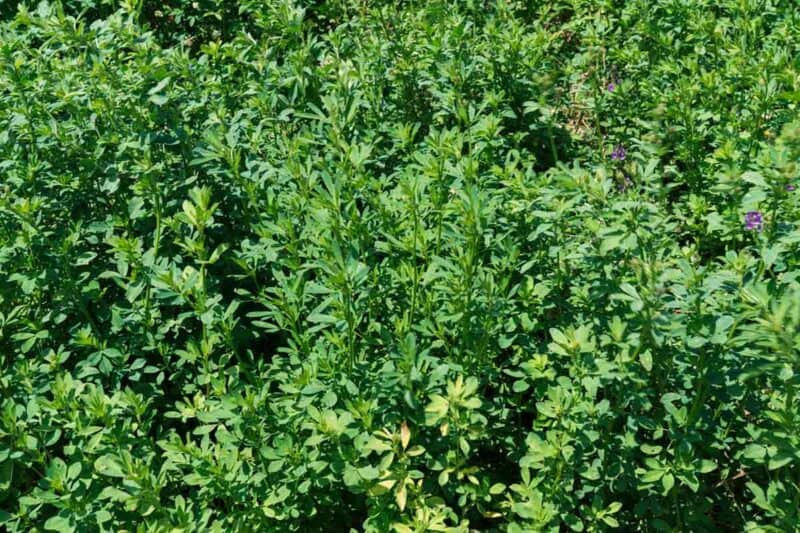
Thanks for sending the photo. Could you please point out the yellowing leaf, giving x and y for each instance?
(405, 435)
(400, 497)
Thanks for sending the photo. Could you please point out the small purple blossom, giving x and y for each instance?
(754, 221)
(613, 78)
(791, 187)
(619, 153)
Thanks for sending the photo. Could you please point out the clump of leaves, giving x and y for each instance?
(399, 266)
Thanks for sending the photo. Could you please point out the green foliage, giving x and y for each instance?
(448, 266)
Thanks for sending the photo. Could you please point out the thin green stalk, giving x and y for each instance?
(156, 245)
(414, 286)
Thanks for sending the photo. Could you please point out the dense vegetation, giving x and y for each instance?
(364, 265)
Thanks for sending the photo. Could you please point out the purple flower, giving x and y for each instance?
(619, 153)
(754, 221)
(611, 86)
(791, 187)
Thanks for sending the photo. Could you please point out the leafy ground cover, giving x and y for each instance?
(295, 265)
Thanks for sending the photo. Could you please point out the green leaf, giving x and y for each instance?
(368, 472)
(497, 488)
(755, 178)
(107, 465)
(59, 523)
(759, 498)
(651, 476)
(85, 258)
(574, 523)
(559, 337)
(667, 481)
(646, 359)
(650, 449)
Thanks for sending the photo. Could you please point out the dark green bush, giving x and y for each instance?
(286, 265)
